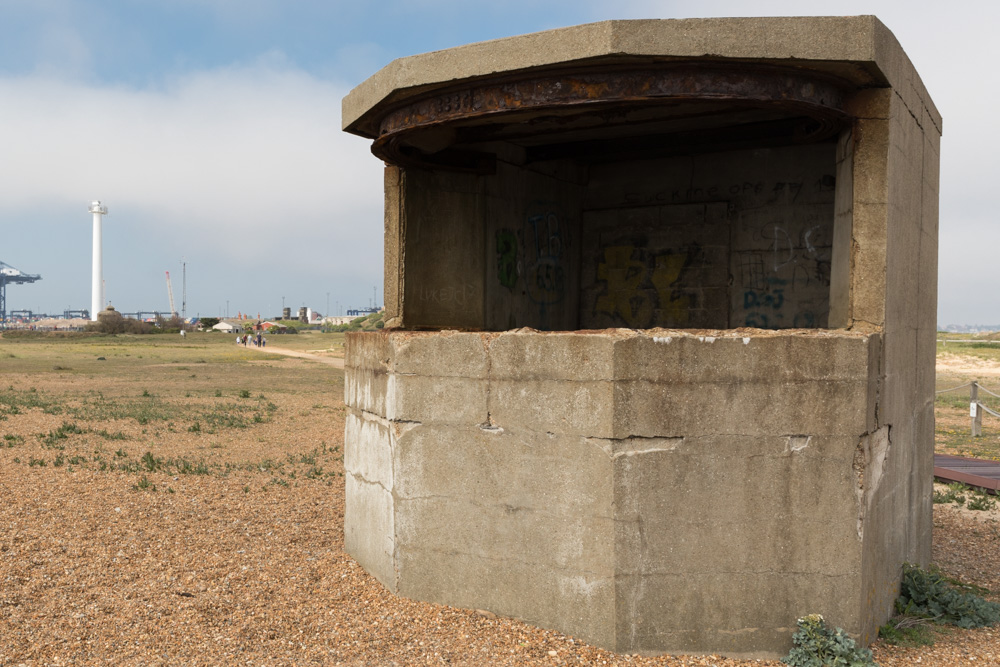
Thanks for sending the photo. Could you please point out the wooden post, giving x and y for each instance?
(975, 412)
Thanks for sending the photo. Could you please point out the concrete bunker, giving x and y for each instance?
(660, 303)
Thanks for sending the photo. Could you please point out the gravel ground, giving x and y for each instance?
(240, 560)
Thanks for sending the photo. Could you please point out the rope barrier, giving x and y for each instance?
(963, 386)
(995, 414)
(988, 391)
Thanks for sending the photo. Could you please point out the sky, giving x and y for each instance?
(211, 130)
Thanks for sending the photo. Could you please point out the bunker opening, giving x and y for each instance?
(670, 195)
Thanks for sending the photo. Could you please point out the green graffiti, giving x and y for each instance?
(507, 258)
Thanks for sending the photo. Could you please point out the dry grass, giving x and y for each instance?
(189, 510)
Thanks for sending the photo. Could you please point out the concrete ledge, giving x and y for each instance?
(859, 49)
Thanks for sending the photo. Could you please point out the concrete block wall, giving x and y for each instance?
(667, 489)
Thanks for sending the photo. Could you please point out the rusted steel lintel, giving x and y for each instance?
(766, 85)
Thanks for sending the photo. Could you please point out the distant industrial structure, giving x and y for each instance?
(97, 280)
(360, 312)
(8, 274)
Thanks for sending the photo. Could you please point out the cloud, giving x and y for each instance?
(238, 157)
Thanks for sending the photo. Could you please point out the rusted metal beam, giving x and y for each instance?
(794, 88)
(490, 106)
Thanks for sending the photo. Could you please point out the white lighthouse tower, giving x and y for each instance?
(97, 281)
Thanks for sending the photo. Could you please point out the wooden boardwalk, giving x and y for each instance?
(974, 472)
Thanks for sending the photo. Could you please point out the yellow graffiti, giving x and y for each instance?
(667, 272)
(623, 275)
(625, 298)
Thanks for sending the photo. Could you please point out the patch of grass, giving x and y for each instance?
(10, 440)
(140, 411)
(981, 501)
(185, 467)
(110, 436)
(53, 439)
(144, 485)
(908, 632)
(955, 494)
(13, 401)
(238, 415)
(37, 462)
(150, 462)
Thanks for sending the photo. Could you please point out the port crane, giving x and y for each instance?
(8, 274)
(170, 293)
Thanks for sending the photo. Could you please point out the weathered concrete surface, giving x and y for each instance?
(859, 47)
(672, 492)
(652, 489)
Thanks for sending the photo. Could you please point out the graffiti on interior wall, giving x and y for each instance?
(537, 254)
(640, 288)
(786, 284)
(546, 273)
(766, 192)
(461, 295)
(507, 264)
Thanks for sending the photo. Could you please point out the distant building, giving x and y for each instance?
(227, 326)
(334, 320)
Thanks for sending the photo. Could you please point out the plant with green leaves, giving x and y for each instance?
(981, 501)
(816, 645)
(908, 632)
(955, 494)
(144, 485)
(929, 594)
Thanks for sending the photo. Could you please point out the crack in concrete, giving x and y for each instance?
(363, 480)
(505, 559)
(870, 458)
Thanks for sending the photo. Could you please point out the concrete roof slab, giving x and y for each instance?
(860, 50)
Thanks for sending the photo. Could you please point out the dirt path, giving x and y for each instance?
(966, 366)
(336, 362)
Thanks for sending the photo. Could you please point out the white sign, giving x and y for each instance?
(972, 409)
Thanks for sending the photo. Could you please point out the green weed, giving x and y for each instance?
(814, 644)
(110, 436)
(955, 494)
(144, 485)
(981, 501)
(150, 462)
(930, 595)
(908, 632)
